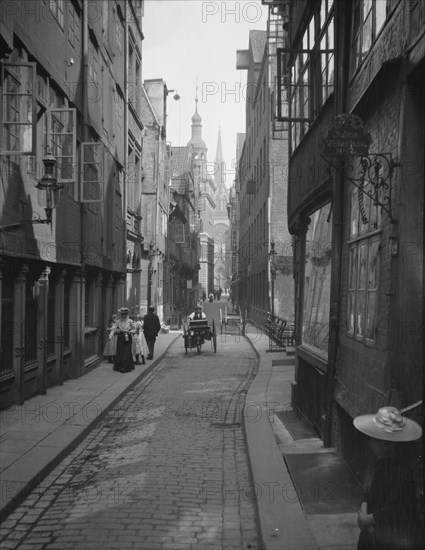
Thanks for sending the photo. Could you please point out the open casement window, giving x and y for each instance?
(92, 181)
(62, 139)
(18, 109)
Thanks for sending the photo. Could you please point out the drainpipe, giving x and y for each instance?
(341, 64)
(125, 178)
(81, 279)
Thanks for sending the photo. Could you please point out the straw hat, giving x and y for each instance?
(198, 307)
(123, 310)
(388, 424)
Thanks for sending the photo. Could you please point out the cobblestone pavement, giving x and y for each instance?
(165, 469)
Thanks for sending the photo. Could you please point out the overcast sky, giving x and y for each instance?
(196, 40)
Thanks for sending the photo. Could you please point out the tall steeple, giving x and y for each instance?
(219, 164)
(196, 140)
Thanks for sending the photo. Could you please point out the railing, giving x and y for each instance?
(281, 333)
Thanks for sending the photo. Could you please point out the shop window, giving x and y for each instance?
(18, 108)
(317, 279)
(364, 259)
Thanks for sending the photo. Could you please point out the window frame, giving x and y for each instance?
(99, 161)
(6, 66)
(363, 235)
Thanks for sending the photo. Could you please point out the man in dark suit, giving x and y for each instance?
(151, 328)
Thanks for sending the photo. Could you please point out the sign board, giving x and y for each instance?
(346, 138)
(143, 309)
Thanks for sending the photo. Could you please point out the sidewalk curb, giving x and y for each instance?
(282, 523)
(69, 447)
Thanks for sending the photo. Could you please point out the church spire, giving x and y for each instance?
(219, 164)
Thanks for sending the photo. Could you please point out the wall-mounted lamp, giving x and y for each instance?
(176, 96)
(48, 193)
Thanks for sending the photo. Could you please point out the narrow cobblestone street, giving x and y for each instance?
(166, 468)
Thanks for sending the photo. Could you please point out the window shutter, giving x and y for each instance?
(92, 181)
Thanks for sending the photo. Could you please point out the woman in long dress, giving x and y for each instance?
(125, 329)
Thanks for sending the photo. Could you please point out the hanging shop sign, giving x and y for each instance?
(346, 138)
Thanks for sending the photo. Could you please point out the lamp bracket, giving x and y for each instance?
(371, 174)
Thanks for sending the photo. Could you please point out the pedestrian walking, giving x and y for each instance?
(140, 347)
(111, 340)
(125, 330)
(151, 328)
(389, 517)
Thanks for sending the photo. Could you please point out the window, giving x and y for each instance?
(364, 255)
(56, 8)
(18, 109)
(306, 74)
(62, 128)
(135, 78)
(92, 172)
(326, 38)
(317, 278)
(368, 18)
(178, 231)
(74, 27)
(93, 64)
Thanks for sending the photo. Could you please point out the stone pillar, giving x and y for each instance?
(97, 313)
(59, 324)
(42, 308)
(19, 332)
(76, 318)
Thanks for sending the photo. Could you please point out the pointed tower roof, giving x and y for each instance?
(219, 165)
(196, 140)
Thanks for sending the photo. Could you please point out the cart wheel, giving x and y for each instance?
(214, 337)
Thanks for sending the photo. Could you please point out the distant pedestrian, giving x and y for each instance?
(125, 330)
(151, 328)
(389, 517)
(204, 296)
(140, 347)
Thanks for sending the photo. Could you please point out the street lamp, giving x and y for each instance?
(272, 274)
(48, 193)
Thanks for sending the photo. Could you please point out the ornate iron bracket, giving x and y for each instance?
(373, 171)
(345, 147)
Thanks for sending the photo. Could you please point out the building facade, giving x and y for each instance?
(265, 245)
(71, 119)
(355, 208)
